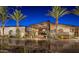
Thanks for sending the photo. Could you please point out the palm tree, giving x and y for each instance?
(17, 15)
(76, 12)
(57, 12)
(3, 16)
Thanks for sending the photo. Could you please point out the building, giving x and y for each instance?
(38, 30)
(42, 30)
(64, 28)
(71, 30)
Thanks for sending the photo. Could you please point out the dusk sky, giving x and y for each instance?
(38, 14)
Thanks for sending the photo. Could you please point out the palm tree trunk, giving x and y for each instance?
(49, 26)
(48, 34)
(3, 27)
(17, 25)
(56, 25)
(17, 30)
(3, 30)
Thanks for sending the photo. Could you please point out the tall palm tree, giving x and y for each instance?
(17, 15)
(3, 16)
(76, 12)
(57, 12)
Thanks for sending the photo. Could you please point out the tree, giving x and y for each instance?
(3, 16)
(76, 12)
(17, 15)
(57, 12)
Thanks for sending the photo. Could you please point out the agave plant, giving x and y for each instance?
(57, 12)
(3, 16)
(17, 15)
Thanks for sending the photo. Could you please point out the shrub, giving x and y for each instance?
(18, 33)
(10, 33)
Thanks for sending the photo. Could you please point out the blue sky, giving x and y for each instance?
(38, 14)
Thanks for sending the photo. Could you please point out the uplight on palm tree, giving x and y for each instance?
(57, 12)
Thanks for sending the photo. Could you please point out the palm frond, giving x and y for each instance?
(77, 7)
(63, 12)
(17, 15)
(13, 17)
(23, 17)
(76, 11)
(57, 12)
(3, 13)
